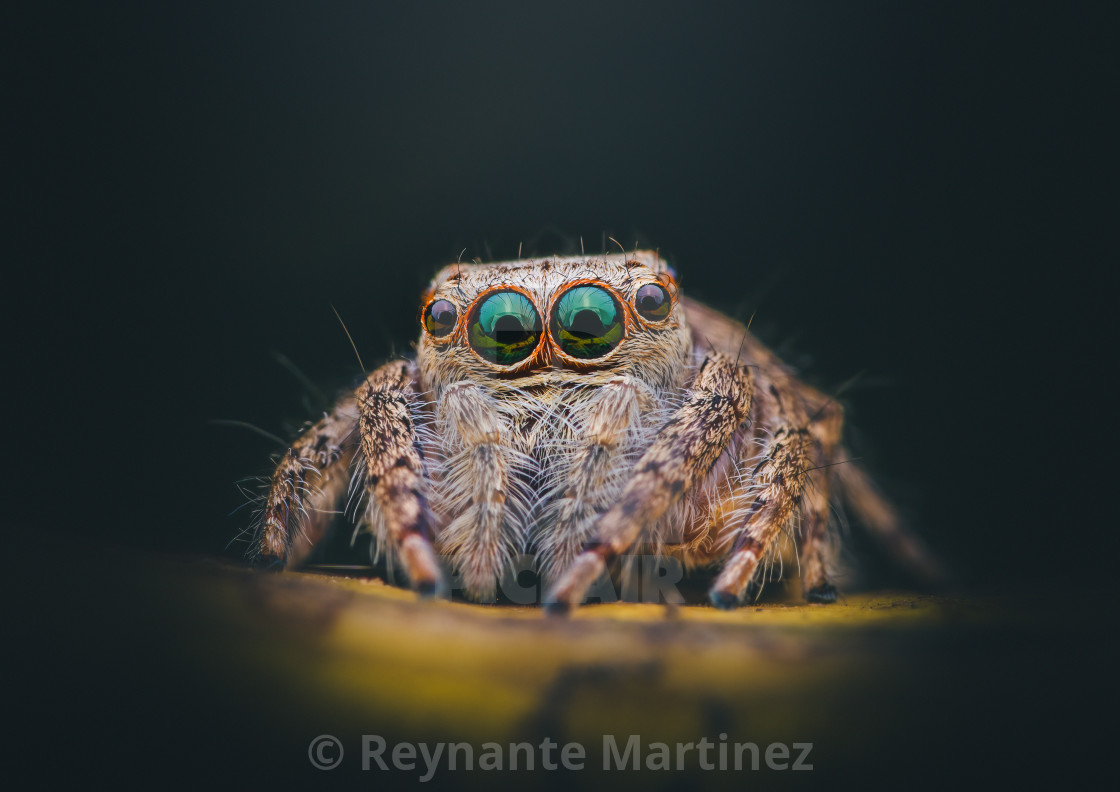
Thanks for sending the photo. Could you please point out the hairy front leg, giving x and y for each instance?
(375, 427)
(309, 481)
(716, 406)
(776, 482)
(393, 471)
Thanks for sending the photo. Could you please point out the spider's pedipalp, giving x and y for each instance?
(594, 471)
(484, 488)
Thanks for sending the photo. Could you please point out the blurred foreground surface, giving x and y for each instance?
(170, 668)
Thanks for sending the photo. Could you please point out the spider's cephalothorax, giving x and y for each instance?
(577, 409)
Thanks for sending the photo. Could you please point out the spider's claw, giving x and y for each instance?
(824, 593)
(724, 600)
(422, 565)
(573, 584)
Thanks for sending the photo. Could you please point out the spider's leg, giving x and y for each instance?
(392, 468)
(715, 407)
(777, 481)
(309, 481)
(825, 428)
(881, 520)
(481, 487)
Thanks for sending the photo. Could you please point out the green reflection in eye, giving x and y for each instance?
(587, 322)
(505, 328)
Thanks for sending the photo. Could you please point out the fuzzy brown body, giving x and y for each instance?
(677, 434)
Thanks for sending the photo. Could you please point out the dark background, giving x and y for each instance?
(912, 191)
(898, 190)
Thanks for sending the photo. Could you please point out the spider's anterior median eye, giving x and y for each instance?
(505, 328)
(587, 322)
(652, 302)
(439, 318)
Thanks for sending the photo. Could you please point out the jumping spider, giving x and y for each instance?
(579, 409)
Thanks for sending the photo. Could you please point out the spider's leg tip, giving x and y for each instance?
(724, 600)
(428, 589)
(824, 593)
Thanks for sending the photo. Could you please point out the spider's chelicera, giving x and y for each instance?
(578, 410)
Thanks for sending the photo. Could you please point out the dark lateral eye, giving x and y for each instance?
(505, 328)
(587, 322)
(652, 302)
(439, 318)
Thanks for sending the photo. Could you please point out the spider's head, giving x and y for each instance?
(558, 321)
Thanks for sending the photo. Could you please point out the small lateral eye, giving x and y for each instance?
(652, 302)
(439, 318)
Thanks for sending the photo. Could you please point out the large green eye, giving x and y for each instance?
(505, 328)
(587, 322)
